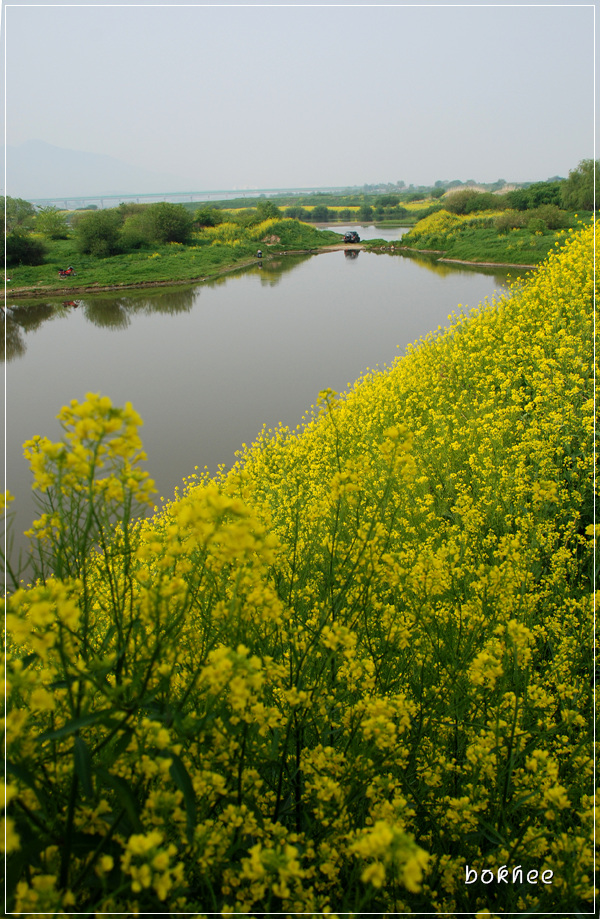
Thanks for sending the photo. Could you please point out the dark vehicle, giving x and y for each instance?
(351, 237)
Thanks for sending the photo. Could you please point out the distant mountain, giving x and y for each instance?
(36, 169)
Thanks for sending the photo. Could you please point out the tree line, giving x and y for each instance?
(102, 233)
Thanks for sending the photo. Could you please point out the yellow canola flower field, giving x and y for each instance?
(352, 675)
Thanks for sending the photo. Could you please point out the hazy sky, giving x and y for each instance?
(248, 95)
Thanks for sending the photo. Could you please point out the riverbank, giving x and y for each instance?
(40, 291)
(438, 256)
(488, 239)
(209, 252)
(45, 291)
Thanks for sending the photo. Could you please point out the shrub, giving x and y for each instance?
(554, 217)
(207, 217)
(543, 193)
(23, 249)
(133, 233)
(98, 233)
(164, 223)
(434, 227)
(468, 202)
(510, 220)
(266, 210)
(536, 225)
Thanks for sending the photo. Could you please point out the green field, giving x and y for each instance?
(210, 251)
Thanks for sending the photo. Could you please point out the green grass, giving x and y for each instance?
(485, 243)
(162, 263)
(518, 246)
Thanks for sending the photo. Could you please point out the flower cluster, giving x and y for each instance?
(325, 680)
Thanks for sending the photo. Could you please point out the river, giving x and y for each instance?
(208, 365)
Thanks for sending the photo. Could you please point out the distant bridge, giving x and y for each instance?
(72, 202)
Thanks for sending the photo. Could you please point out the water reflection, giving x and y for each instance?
(32, 316)
(106, 314)
(351, 253)
(13, 344)
(175, 300)
(19, 319)
(446, 269)
(270, 271)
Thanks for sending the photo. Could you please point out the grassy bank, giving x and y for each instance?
(338, 676)
(489, 236)
(210, 250)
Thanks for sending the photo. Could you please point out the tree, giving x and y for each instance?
(266, 210)
(296, 212)
(320, 213)
(166, 223)
(19, 213)
(517, 199)
(577, 192)
(365, 212)
(388, 200)
(51, 223)
(207, 216)
(98, 233)
(543, 193)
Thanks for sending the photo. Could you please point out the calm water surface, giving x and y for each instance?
(208, 366)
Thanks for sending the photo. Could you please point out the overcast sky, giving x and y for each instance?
(293, 95)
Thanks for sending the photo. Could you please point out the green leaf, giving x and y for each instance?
(23, 775)
(72, 726)
(116, 749)
(182, 779)
(124, 794)
(83, 766)
(29, 659)
(19, 862)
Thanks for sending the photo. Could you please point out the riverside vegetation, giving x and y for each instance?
(136, 244)
(511, 237)
(153, 244)
(347, 676)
